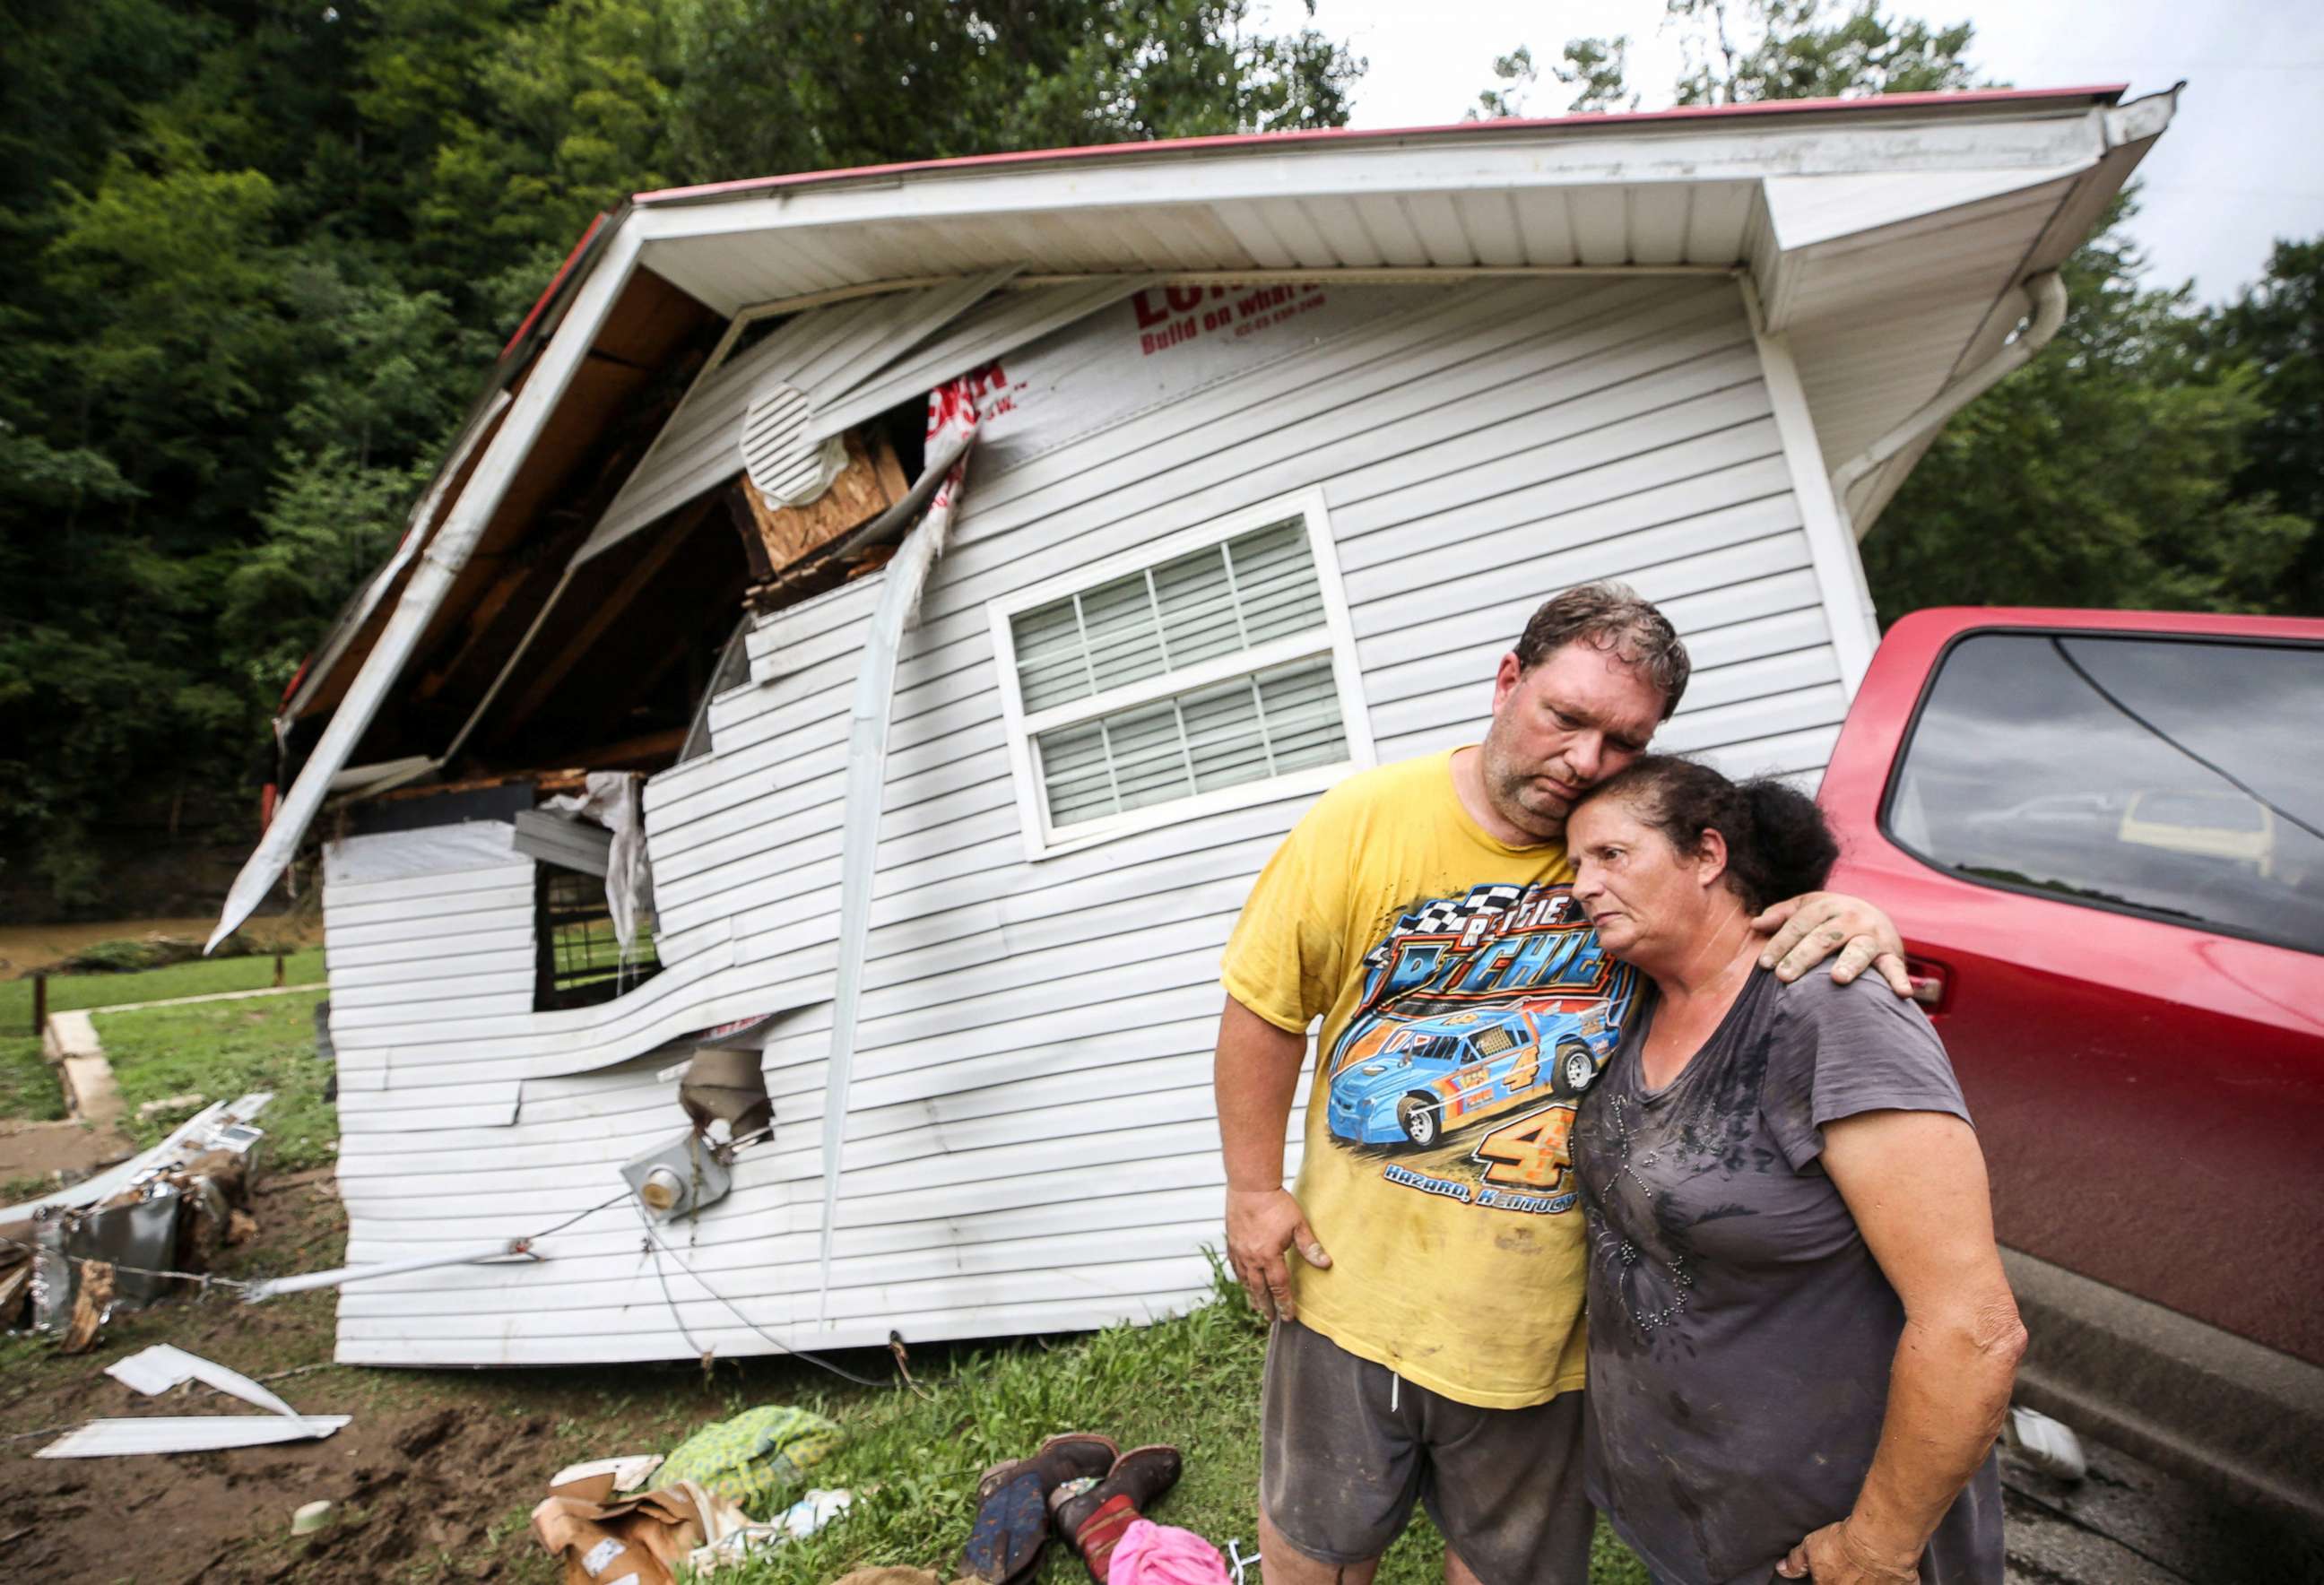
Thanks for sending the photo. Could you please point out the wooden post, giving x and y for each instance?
(278, 971)
(39, 1004)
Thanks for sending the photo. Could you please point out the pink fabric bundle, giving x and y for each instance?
(1163, 1554)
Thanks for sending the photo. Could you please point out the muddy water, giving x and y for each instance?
(26, 947)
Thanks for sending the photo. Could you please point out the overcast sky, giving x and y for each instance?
(2242, 165)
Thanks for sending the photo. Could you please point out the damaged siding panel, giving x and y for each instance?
(833, 349)
(990, 330)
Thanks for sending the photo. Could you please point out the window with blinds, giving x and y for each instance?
(1206, 671)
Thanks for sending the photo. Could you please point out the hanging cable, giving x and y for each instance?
(654, 1241)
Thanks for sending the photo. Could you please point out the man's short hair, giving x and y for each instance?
(1610, 616)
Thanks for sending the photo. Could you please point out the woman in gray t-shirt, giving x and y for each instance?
(1800, 1339)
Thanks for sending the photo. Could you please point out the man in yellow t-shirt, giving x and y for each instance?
(1434, 1354)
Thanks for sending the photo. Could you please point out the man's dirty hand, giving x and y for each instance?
(1849, 931)
(1263, 1225)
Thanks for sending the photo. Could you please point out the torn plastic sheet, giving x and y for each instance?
(155, 1371)
(189, 1434)
(220, 1127)
(952, 424)
(610, 798)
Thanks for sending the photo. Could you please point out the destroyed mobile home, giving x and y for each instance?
(878, 624)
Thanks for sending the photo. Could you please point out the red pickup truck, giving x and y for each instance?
(2102, 836)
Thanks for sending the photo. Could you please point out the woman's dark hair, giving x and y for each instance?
(1778, 843)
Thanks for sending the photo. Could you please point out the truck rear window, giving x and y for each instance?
(2182, 779)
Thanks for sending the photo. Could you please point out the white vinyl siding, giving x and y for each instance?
(1199, 679)
(1031, 1142)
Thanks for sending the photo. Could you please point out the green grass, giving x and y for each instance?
(220, 1050)
(1191, 1380)
(28, 1086)
(70, 993)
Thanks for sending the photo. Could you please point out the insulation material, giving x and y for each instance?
(729, 1087)
(1158, 346)
(952, 423)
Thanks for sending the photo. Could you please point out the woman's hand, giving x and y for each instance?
(1262, 1224)
(1834, 1555)
(1810, 928)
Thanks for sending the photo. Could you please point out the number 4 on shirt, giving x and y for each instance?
(1529, 1152)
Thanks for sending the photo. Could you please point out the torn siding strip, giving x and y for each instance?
(951, 417)
(155, 1371)
(166, 1434)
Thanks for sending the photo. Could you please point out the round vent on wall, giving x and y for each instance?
(788, 469)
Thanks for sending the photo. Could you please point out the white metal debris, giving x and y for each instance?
(281, 1285)
(196, 1434)
(155, 1371)
(206, 1130)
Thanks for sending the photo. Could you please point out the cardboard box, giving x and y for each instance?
(631, 1540)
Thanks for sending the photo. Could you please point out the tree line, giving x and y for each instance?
(260, 254)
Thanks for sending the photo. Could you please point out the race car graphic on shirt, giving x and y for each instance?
(1497, 1007)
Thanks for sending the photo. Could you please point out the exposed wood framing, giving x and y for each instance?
(609, 610)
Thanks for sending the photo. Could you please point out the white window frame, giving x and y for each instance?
(1336, 638)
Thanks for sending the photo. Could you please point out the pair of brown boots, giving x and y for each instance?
(1081, 1485)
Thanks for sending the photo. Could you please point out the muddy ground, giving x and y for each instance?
(435, 1479)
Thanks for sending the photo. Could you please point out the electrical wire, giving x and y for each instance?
(654, 1245)
(579, 1216)
(658, 1248)
(208, 1279)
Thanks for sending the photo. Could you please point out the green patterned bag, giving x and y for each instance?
(757, 1458)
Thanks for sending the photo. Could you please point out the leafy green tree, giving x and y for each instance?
(870, 83)
(2103, 473)
(1517, 74)
(1741, 51)
(2275, 327)
(1595, 70)
(2151, 457)
(258, 252)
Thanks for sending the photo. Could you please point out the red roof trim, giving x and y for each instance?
(555, 282)
(2109, 92)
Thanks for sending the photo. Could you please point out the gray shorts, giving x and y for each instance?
(1347, 1449)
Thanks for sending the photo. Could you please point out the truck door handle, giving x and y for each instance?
(1931, 984)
